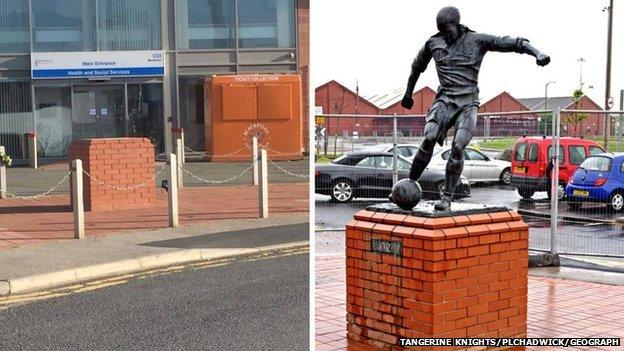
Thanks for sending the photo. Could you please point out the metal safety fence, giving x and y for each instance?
(549, 165)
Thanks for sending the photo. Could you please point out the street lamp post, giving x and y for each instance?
(546, 101)
(608, 78)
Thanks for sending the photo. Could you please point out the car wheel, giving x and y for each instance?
(575, 206)
(560, 191)
(342, 191)
(526, 193)
(505, 177)
(616, 202)
(440, 190)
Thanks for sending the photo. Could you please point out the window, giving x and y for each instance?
(383, 162)
(475, 155)
(519, 155)
(533, 154)
(15, 117)
(14, 31)
(367, 162)
(403, 165)
(129, 25)
(64, 25)
(53, 110)
(205, 24)
(577, 154)
(551, 154)
(595, 150)
(597, 163)
(145, 113)
(266, 23)
(407, 151)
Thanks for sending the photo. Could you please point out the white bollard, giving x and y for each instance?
(3, 177)
(32, 150)
(180, 158)
(77, 202)
(173, 192)
(263, 189)
(254, 156)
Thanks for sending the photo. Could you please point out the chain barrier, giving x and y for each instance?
(279, 152)
(126, 188)
(222, 181)
(41, 195)
(193, 151)
(303, 176)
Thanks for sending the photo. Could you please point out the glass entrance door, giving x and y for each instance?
(99, 112)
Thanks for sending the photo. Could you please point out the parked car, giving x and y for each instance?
(405, 150)
(369, 174)
(478, 167)
(600, 179)
(531, 155)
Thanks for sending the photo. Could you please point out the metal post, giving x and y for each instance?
(395, 174)
(620, 119)
(32, 150)
(183, 152)
(608, 78)
(173, 192)
(3, 176)
(254, 159)
(263, 189)
(554, 184)
(77, 200)
(179, 157)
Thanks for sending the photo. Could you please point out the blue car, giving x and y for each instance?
(600, 178)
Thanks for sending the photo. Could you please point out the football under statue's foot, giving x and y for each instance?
(444, 204)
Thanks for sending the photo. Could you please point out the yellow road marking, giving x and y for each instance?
(100, 286)
(8, 301)
(20, 299)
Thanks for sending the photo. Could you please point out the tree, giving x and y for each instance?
(576, 118)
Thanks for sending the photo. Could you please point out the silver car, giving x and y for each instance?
(477, 166)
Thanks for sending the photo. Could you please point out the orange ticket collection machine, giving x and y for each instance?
(244, 106)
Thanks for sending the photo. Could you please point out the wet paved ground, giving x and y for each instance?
(574, 234)
(557, 308)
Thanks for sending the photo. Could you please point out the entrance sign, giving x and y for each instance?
(61, 65)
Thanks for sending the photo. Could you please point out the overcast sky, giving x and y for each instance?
(375, 41)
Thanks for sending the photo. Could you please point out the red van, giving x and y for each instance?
(530, 157)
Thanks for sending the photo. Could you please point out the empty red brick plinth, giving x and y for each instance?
(456, 277)
(117, 162)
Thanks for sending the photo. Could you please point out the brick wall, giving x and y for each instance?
(462, 276)
(118, 162)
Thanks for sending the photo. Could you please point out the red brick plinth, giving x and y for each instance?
(456, 277)
(120, 163)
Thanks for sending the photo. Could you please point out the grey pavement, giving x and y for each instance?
(217, 237)
(28, 181)
(260, 304)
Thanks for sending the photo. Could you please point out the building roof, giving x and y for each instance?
(386, 100)
(537, 103)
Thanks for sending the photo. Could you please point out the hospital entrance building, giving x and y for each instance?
(75, 69)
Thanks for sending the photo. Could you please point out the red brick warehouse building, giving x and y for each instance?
(334, 98)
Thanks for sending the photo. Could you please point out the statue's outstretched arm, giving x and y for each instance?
(510, 44)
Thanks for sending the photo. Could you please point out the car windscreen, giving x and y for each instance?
(596, 163)
(339, 160)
